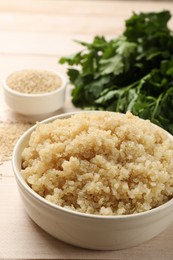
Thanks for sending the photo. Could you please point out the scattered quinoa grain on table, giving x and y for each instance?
(34, 81)
(9, 134)
(100, 163)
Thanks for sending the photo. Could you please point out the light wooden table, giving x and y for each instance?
(35, 33)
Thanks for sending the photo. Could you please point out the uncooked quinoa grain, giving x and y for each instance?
(100, 163)
(9, 134)
(34, 81)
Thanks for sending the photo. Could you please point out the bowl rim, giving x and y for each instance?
(35, 95)
(42, 200)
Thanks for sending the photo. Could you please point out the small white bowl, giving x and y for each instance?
(86, 230)
(35, 104)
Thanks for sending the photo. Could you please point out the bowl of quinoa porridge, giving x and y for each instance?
(98, 180)
(35, 91)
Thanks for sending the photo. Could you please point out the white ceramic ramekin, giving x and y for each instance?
(35, 104)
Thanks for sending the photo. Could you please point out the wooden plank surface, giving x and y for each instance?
(35, 33)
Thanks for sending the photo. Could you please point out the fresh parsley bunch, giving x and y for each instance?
(133, 72)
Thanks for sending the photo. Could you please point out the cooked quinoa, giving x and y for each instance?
(100, 163)
(34, 81)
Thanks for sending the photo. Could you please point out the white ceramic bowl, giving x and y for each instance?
(35, 104)
(85, 230)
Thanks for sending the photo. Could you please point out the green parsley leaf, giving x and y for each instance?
(133, 72)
